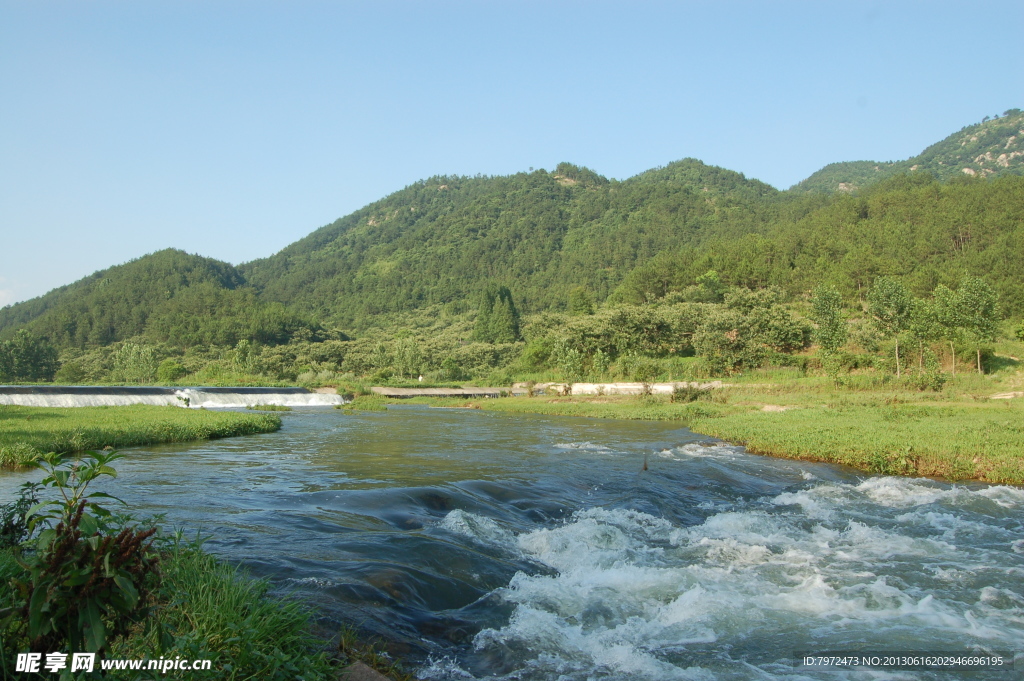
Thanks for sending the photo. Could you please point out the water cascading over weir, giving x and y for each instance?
(195, 398)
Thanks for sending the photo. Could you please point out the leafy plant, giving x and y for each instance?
(14, 527)
(86, 577)
(569, 361)
(930, 377)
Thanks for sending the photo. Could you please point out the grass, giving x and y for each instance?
(26, 431)
(874, 425)
(209, 609)
(206, 609)
(369, 402)
(268, 407)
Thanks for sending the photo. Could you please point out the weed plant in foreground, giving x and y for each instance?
(25, 432)
(88, 580)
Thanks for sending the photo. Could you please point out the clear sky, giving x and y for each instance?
(231, 129)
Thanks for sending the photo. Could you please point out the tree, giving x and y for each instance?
(924, 325)
(247, 357)
(710, 288)
(830, 334)
(27, 358)
(134, 363)
(408, 357)
(580, 302)
(569, 361)
(948, 316)
(889, 305)
(827, 313)
(498, 319)
(979, 312)
(170, 370)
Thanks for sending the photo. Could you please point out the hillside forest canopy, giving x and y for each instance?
(682, 271)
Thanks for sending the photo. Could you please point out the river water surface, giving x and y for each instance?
(518, 547)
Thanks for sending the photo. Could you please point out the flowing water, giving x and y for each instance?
(494, 546)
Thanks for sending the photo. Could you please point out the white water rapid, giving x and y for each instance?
(887, 564)
(195, 398)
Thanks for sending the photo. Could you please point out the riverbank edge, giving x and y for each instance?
(280, 631)
(75, 429)
(876, 433)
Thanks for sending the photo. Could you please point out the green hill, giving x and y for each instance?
(169, 296)
(433, 248)
(988, 149)
(441, 241)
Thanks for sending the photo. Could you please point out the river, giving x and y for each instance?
(493, 546)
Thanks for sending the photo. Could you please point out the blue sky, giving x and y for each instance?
(231, 129)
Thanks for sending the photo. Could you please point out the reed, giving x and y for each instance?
(27, 431)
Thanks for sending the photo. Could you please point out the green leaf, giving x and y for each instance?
(35, 612)
(104, 495)
(125, 584)
(88, 525)
(95, 634)
(44, 540)
(37, 509)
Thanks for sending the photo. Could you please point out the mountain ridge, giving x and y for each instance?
(440, 242)
(990, 148)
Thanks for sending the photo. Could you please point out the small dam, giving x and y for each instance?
(193, 398)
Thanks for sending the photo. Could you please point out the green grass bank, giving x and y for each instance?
(888, 430)
(26, 431)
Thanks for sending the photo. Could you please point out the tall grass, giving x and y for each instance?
(25, 431)
(207, 609)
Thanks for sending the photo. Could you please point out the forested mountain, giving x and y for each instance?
(991, 148)
(440, 244)
(168, 296)
(443, 240)
(912, 226)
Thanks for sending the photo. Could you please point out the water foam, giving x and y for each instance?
(477, 527)
(196, 398)
(636, 597)
(588, 446)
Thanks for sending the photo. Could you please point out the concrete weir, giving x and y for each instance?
(195, 398)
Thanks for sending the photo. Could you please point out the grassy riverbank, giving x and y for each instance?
(205, 609)
(880, 429)
(26, 431)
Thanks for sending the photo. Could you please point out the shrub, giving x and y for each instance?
(689, 393)
(170, 370)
